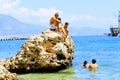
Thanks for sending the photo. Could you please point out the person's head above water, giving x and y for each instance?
(93, 61)
(85, 63)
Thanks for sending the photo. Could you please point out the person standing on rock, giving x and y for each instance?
(54, 22)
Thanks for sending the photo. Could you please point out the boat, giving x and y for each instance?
(115, 30)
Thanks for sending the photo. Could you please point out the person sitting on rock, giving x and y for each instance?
(57, 24)
(64, 30)
(54, 22)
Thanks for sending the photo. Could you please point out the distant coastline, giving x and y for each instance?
(13, 38)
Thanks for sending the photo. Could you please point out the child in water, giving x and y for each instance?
(85, 64)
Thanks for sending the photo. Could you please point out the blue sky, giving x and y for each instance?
(98, 14)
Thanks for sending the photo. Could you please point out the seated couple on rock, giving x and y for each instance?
(55, 21)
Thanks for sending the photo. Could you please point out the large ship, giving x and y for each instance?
(115, 30)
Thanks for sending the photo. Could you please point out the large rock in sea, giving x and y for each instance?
(45, 52)
(6, 75)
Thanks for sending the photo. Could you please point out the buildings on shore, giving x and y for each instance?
(13, 38)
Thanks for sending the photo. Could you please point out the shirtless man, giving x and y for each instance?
(58, 23)
(54, 22)
(93, 66)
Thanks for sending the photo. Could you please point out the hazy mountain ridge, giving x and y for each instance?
(11, 26)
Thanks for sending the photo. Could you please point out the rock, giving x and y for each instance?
(45, 52)
(6, 75)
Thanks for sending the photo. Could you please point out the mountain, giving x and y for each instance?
(11, 26)
(87, 31)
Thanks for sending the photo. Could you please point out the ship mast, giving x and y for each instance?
(118, 18)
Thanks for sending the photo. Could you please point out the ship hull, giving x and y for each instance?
(115, 31)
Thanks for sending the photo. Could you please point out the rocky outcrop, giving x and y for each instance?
(48, 52)
(6, 75)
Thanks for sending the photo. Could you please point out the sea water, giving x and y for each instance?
(106, 50)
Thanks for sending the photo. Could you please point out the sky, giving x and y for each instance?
(99, 14)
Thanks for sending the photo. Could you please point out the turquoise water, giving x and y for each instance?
(105, 49)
